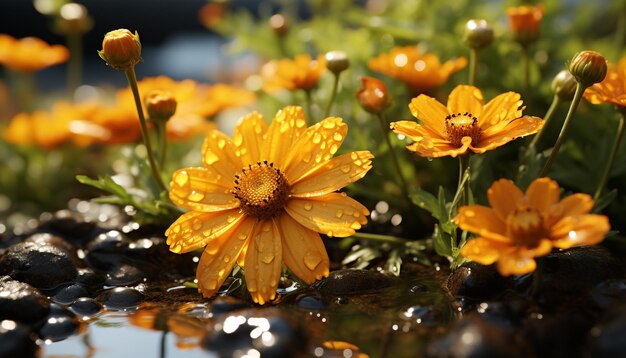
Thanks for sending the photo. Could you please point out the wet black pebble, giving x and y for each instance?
(70, 225)
(59, 327)
(105, 251)
(476, 281)
(311, 302)
(56, 241)
(21, 302)
(70, 293)
(351, 281)
(122, 298)
(17, 340)
(124, 275)
(85, 307)
(89, 278)
(227, 304)
(40, 265)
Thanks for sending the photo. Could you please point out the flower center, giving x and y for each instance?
(462, 125)
(525, 227)
(262, 190)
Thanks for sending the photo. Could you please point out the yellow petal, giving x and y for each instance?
(516, 264)
(483, 221)
(436, 148)
(315, 146)
(333, 175)
(542, 193)
(575, 204)
(333, 214)
(503, 108)
(483, 250)
(464, 98)
(303, 250)
(218, 259)
(288, 124)
(503, 196)
(415, 131)
(503, 133)
(201, 189)
(263, 263)
(579, 230)
(218, 154)
(430, 112)
(196, 229)
(248, 137)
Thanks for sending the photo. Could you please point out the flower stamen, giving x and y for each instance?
(262, 190)
(525, 227)
(460, 125)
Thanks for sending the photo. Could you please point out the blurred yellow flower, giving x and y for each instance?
(525, 22)
(300, 73)
(422, 72)
(30, 54)
(263, 196)
(612, 89)
(521, 226)
(466, 123)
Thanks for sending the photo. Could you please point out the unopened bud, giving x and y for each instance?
(121, 49)
(564, 85)
(478, 34)
(337, 61)
(73, 18)
(525, 22)
(278, 23)
(161, 105)
(588, 67)
(373, 96)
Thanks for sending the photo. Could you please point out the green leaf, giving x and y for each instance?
(428, 202)
(605, 200)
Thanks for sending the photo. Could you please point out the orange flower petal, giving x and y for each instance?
(465, 98)
(503, 196)
(502, 108)
(415, 131)
(196, 229)
(483, 250)
(202, 190)
(521, 260)
(220, 256)
(263, 263)
(501, 134)
(579, 230)
(333, 175)
(334, 214)
(575, 204)
(288, 124)
(430, 112)
(434, 148)
(483, 221)
(303, 250)
(542, 193)
(218, 154)
(248, 137)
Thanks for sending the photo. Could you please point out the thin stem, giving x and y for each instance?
(463, 168)
(556, 101)
(381, 238)
(132, 81)
(309, 103)
(473, 66)
(75, 65)
(384, 126)
(578, 95)
(609, 164)
(162, 135)
(526, 55)
(333, 93)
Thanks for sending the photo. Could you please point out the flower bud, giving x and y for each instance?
(161, 105)
(588, 67)
(564, 85)
(121, 49)
(337, 61)
(478, 34)
(278, 23)
(73, 18)
(525, 22)
(373, 96)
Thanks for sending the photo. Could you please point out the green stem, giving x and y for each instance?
(526, 54)
(333, 93)
(578, 95)
(464, 185)
(381, 238)
(26, 91)
(384, 126)
(556, 101)
(75, 65)
(162, 133)
(309, 104)
(614, 149)
(132, 81)
(473, 66)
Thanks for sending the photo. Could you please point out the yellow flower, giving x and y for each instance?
(525, 22)
(263, 196)
(612, 89)
(300, 73)
(466, 123)
(30, 54)
(422, 72)
(521, 226)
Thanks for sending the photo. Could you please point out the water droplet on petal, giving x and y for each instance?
(267, 258)
(195, 196)
(210, 157)
(317, 138)
(308, 206)
(221, 143)
(328, 124)
(339, 214)
(196, 225)
(337, 137)
(345, 168)
(312, 259)
(307, 157)
(226, 258)
(182, 178)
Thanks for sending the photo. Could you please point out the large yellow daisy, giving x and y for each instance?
(263, 196)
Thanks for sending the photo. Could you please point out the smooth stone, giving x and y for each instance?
(352, 281)
(69, 225)
(122, 298)
(227, 304)
(70, 293)
(17, 340)
(90, 278)
(312, 301)
(59, 327)
(21, 302)
(105, 251)
(124, 275)
(476, 281)
(49, 239)
(86, 307)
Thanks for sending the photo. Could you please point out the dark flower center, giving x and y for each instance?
(460, 125)
(262, 190)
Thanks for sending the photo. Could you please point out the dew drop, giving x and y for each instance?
(337, 137)
(339, 214)
(182, 178)
(308, 206)
(312, 259)
(209, 284)
(334, 148)
(355, 225)
(330, 234)
(210, 157)
(226, 258)
(317, 138)
(353, 156)
(328, 124)
(267, 258)
(221, 143)
(300, 123)
(195, 196)
(345, 168)
(196, 225)
(307, 157)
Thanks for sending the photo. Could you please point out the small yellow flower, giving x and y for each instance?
(612, 89)
(466, 123)
(525, 22)
(30, 54)
(263, 196)
(422, 72)
(300, 73)
(521, 226)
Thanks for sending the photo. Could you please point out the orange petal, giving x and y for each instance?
(521, 260)
(196, 229)
(542, 193)
(315, 146)
(483, 221)
(288, 124)
(333, 175)
(576, 204)
(334, 214)
(430, 112)
(483, 250)
(303, 250)
(415, 131)
(248, 137)
(464, 98)
(503, 133)
(263, 263)
(218, 154)
(502, 108)
(218, 259)
(503, 196)
(201, 189)
(437, 148)
(579, 230)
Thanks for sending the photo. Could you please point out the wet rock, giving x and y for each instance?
(425, 316)
(105, 251)
(312, 301)
(17, 340)
(56, 241)
(227, 304)
(69, 225)
(350, 281)
(473, 337)
(86, 307)
(89, 278)
(476, 281)
(60, 324)
(70, 293)
(122, 298)
(21, 302)
(558, 334)
(42, 266)
(124, 275)
(609, 294)
(262, 332)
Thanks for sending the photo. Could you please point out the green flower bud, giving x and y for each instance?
(478, 34)
(588, 67)
(337, 61)
(564, 85)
